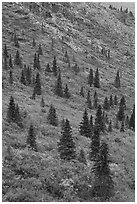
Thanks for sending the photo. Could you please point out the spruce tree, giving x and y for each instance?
(52, 117)
(91, 125)
(66, 92)
(117, 80)
(82, 91)
(110, 126)
(95, 144)
(121, 114)
(5, 52)
(10, 62)
(40, 50)
(47, 69)
(98, 119)
(22, 79)
(103, 185)
(111, 103)
(28, 75)
(18, 118)
(115, 100)
(33, 43)
(38, 85)
(11, 116)
(66, 145)
(38, 62)
(31, 138)
(58, 86)
(90, 78)
(54, 67)
(10, 77)
(81, 157)
(116, 125)
(42, 103)
(95, 100)
(89, 104)
(5, 65)
(15, 39)
(106, 104)
(33, 94)
(84, 125)
(35, 61)
(123, 102)
(122, 126)
(17, 60)
(96, 79)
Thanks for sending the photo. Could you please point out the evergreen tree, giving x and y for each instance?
(95, 144)
(96, 79)
(120, 114)
(123, 102)
(47, 69)
(11, 110)
(103, 185)
(31, 138)
(5, 52)
(90, 78)
(62, 123)
(38, 85)
(84, 125)
(54, 67)
(117, 80)
(82, 92)
(38, 62)
(95, 100)
(122, 126)
(81, 157)
(28, 75)
(10, 62)
(66, 145)
(111, 101)
(11, 78)
(5, 65)
(35, 61)
(33, 43)
(52, 117)
(42, 103)
(15, 39)
(66, 92)
(18, 118)
(40, 50)
(58, 86)
(89, 104)
(110, 126)
(121, 9)
(115, 100)
(106, 104)
(22, 79)
(98, 120)
(132, 119)
(91, 125)
(17, 60)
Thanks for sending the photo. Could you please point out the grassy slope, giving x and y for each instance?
(104, 29)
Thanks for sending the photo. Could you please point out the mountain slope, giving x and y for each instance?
(81, 29)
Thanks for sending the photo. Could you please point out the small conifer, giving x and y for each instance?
(5, 65)
(117, 80)
(40, 50)
(89, 104)
(82, 91)
(17, 60)
(96, 79)
(115, 100)
(5, 52)
(122, 126)
(90, 78)
(10, 62)
(66, 92)
(22, 79)
(31, 138)
(10, 77)
(11, 110)
(33, 43)
(110, 126)
(47, 69)
(106, 104)
(52, 117)
(54, 67)
(84, 125)
(42, 103)
(58, 86)
(38, 85)
(81, 157)
(111, 103)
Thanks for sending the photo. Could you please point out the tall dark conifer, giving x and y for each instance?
(122, 126)
(40, 50)
(106, 104)
(132, 119)
(10, 77)
(11, 110)
(31, 138)
(33, 43)
(81, 157)
(103, 185)
(121, 114)
(115, 100)
(5, 52)
(52, 117)
(22, 79)
(84, 125)
(96, 79)
(58, 86)
(5, 65)
(89, 103)
(17, 60)
(110, 126)
(111, 103)
(95, 100)
(90, 78)
(117, 80)
(54, 67)
(38, 85)
(66, 92)
(98, 119)
(66, 145)
(10, 62)
(82, 91)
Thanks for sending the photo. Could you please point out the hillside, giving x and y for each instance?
(81, 29)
